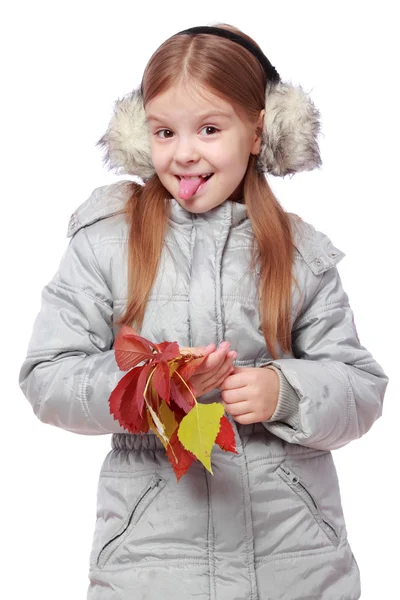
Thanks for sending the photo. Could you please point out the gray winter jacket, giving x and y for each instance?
(268, 524)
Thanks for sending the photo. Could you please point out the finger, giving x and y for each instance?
(233, 396)
(221, 371)
(239, 408)
(247, 419)
(223, 376)
(235, 381)
(214, 361)
(218, 376)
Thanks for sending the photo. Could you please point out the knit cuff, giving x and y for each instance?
(287, 408)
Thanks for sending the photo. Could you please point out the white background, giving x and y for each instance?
(63, 66)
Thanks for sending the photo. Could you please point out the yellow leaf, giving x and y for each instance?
(198, 430)
(168, 419)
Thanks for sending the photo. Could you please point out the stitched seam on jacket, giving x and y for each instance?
(300, 554)
(277, 459)
(49, 354)
(145, 563)
(249, 542)
(219, 321)
(83, 399)
(109, 241)
(69, 288)
(210, 546)
(191, 246)
(316, 313)
(350, 398)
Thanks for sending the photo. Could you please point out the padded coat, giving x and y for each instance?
(268, 525)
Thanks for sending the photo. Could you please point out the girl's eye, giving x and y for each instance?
(210, 129)
(168, 133)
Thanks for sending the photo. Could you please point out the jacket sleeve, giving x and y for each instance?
(70, 368)
(332, 390)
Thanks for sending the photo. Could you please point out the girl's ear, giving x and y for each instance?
(255, 149)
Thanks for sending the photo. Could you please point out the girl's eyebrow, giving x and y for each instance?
(203, 117)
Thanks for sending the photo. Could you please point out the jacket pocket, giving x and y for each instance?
(142, 503)
(290, 478)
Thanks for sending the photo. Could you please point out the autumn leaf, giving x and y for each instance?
(130, 418)
(226, 436)
(179, 458)
(115, 398)
(131, 349)
(181, 394)
(167, 351)
(161, 380)
(138, 397)
(190, 367)
(198, 430)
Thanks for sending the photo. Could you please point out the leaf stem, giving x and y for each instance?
(186, 385)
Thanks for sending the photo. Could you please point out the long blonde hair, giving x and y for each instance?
(233, 73)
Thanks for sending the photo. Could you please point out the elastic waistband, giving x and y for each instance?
(136, 442)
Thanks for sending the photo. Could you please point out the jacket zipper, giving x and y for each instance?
(293, 481)
(149, 493)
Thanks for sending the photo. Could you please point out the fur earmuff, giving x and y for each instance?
(127, 139)
(291, 128)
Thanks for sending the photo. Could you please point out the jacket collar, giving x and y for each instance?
(234, 212)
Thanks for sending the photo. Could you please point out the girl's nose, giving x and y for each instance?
(185, 152)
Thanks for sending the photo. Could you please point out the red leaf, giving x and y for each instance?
(178, 456)
(161, 380)
(116, 395)
(131, 349)
(141, 385)
(180, 394)
(168, 351)
(226, 436)
(130, 418)
(190, 367)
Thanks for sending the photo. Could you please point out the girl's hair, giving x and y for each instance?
(234, 74)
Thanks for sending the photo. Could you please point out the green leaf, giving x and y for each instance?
(198, 430)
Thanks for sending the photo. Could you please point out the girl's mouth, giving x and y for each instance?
(189, 186)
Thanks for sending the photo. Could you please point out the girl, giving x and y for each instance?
(204, 254)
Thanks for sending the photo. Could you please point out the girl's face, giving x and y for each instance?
(195, 135)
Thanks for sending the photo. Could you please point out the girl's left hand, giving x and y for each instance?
(250, 395)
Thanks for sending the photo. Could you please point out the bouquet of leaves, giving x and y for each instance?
(157, 395)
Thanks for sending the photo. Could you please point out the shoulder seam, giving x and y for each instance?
(315, 248)
(105, 201)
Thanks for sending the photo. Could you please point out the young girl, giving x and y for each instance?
(203, 254)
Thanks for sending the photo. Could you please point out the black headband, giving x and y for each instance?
(270, 71)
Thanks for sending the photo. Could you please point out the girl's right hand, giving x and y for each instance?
(215, 368)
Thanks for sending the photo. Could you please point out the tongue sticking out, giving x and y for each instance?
(188, 187)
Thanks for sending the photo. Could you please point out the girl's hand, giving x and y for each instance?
(215, 368)
(250, 395)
